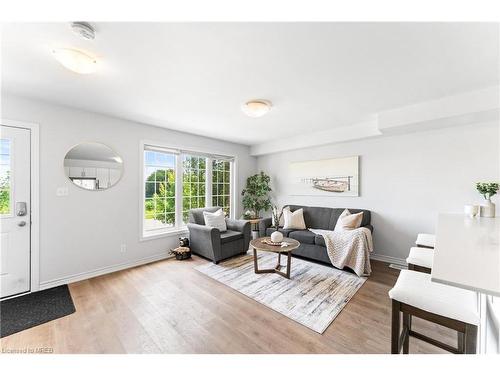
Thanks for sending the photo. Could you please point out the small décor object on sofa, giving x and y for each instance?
(181, 253)
(487, 190)
(214, 244)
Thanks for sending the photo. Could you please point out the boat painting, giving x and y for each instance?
(332, 184)
(329, 177)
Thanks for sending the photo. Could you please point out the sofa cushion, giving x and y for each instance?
(303, 236)
(316, 217)
(319, 240)
(285, 232)
(230, 236)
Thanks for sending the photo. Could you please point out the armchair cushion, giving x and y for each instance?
(230, 236)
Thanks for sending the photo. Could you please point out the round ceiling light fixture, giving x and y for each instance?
(256, 107)
(75, 60)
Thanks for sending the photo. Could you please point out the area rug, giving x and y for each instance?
(313, 297)
(20, 313)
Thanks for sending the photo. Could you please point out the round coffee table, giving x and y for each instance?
(257, 244)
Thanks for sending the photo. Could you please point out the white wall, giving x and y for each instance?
(81, 234)
(405, 180)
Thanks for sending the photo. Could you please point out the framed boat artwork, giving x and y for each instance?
(327, 177)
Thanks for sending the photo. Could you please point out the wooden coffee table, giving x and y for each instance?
(257, 244)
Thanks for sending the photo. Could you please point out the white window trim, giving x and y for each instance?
(169, 232)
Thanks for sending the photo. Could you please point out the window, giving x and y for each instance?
(176, 181)
(159, 190)
(5, 191)
(193, 184)
(221, 185)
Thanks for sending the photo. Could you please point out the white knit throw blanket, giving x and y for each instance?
(349, 248)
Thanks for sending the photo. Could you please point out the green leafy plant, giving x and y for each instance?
(487, 189)
(256, 193)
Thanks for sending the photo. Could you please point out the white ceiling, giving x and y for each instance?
(194, 76)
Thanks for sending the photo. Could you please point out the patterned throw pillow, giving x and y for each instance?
(216, 220)
(348, 221)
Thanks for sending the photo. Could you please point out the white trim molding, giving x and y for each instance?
(103, 271)
(478, 106)
(388, 259)
(35, 198)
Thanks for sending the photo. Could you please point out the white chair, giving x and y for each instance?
(420, 259)
(414, 294)
(426, 240)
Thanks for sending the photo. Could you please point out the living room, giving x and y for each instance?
(258, 188)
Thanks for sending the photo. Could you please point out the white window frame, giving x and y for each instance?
(179, 227)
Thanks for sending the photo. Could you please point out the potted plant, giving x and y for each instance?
(487, 190)
(256, 194)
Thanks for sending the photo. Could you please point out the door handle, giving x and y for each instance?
(21, 209)
(21, 224)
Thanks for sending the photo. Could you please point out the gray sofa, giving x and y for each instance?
(213, 244)
(313, 246)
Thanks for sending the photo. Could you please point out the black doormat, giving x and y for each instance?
(20, 313)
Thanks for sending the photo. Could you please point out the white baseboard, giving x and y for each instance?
(102, 271)
(388, 259)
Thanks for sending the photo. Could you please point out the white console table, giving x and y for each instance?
(467, 255)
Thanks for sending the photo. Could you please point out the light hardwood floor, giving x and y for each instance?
(169, 307)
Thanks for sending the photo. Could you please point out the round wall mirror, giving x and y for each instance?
(93, 166)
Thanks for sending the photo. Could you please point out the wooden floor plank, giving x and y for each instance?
(169, 307)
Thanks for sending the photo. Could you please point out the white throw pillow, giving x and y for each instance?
(215, 219)
(348, 221)
(294, 220)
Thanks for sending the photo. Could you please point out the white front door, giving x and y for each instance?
(15, 211)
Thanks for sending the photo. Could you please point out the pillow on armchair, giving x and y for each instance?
(216, 219)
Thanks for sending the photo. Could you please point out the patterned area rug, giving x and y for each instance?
(313, 296)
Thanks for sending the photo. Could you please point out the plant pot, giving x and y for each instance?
(488, 208)
(276, 236)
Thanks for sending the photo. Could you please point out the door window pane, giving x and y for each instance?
(5, 180)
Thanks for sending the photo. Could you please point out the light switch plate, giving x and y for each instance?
(62, 191)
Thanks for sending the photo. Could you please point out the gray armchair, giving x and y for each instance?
(213, 244)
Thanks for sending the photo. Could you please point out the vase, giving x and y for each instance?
(276, 236)
(488, 209)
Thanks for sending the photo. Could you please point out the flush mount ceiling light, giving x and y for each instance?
(256, 108)
(75, 60)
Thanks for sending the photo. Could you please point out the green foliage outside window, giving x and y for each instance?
(5, 193)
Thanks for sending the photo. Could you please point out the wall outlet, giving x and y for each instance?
(123, 248)
(62, 191)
